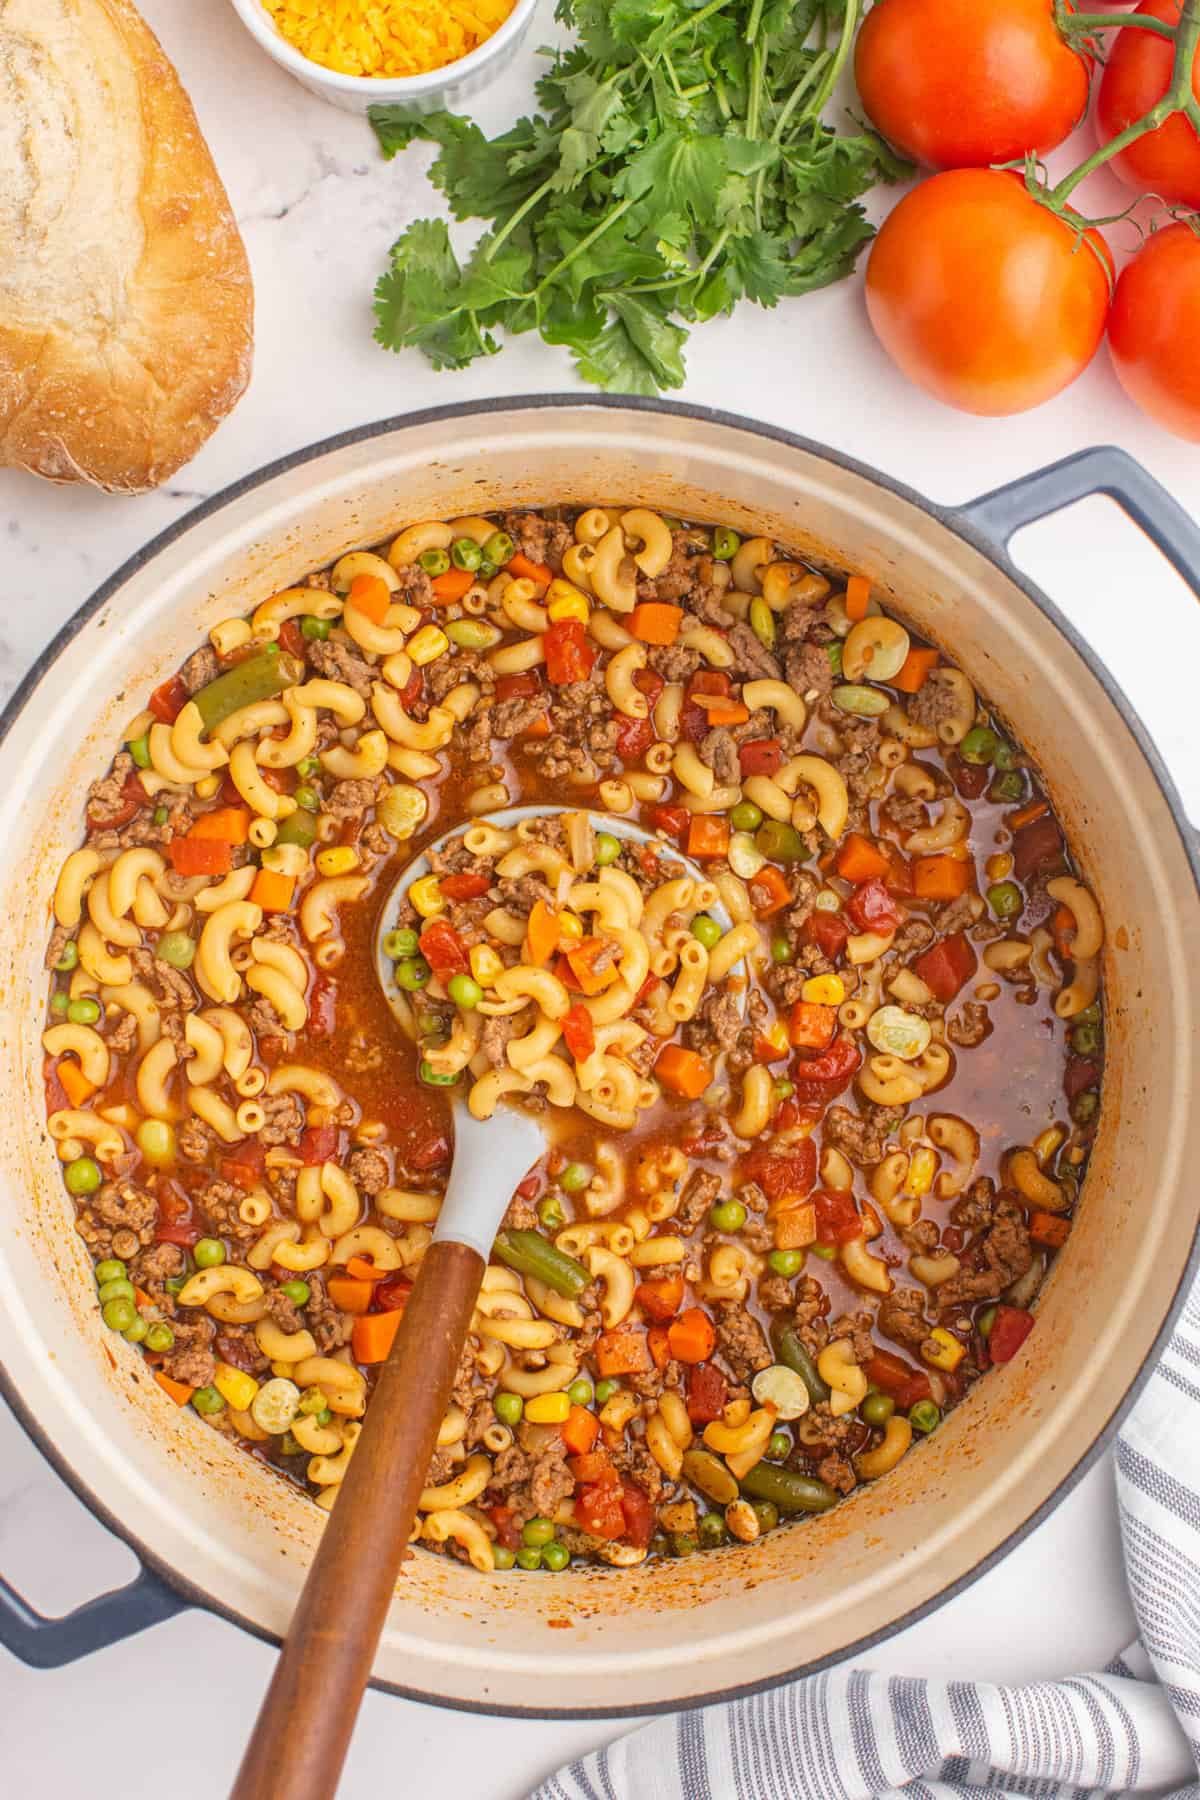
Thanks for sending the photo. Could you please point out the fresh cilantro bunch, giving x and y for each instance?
(679, 164)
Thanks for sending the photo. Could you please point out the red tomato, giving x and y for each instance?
(963, 83)
(569, 656)
(639, 1515)
(169, 700)
(837, 1217)
(443, 949)
(976, 292)
(827, 930)
(392, 1296)
(518, 687)
(322, 1008)
(579, 1031)
(1011, 1327)
(1154, 328)
(464, 886)
(780, 1172)
(837, 1064)
(1165, 162)
(413, 691)
(650, 683)
(318, 1144)
(948, 966)
(599, 1509)
(430, 1154)
(872, 908)
(761, 756)
(671, 820)
(508, 1533)
(707, 1392)
(291, 638)
(634, 737)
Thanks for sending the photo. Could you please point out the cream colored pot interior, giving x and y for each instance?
(684, 1630)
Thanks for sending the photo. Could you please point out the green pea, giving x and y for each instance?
(706, 930)
(581, 1392)
(1006, 899)
(161, 815)
(780, 843)
(712, 1530)
(1007, 788)
(786, 1263)
(68, 958)
(762, 621)
(528, 1557)
(111, 1269)
(486, 570)
(431, 1078)
(745, 816)
(312, 1402)
(207, 1400)
(434, 562)
(783, 1090)
(877, 1409)
(139, 749)
(538, 1533)
(324, 1417)
(465, 553)
(1005, 756)
(412, 972)
(308, 766)
(550, 1212)
(83, 1012)
(607, 849)
(60, 1002)
(779, 1445)
(209, 1253)
(508, 1409)
(555, 1557)
(296, 1291)
(503, 1558)
(684, 1543)
(834, 652)
(728, 1215)
(1085, 1106)
(924, 1416)
(82, 1176)
(499, 548)
(605, 1390)
(176, 948)
(314, 628)
(781, 950)
(575, 1178)
(119, 1288)
(1085, 1039)
(159, 1337)
(827, 1252)
(767, 1514)
(400, 944)
(725, 543)
(979, 745)
(119, 1314)
(307, 798)
(985, 1321)
(137, 1331)
(464, 992)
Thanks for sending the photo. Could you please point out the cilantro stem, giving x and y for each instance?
(1179, 98)
(584, 243)
(849, 27)
(514, 218)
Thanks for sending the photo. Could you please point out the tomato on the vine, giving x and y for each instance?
(985, 297)
(963, 83)
(1165, 162)
(1154, 329)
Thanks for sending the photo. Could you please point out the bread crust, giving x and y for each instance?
(126, 305)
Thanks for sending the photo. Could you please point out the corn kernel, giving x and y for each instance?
(485, 964)
(547, 1409)
(428, 644)
(339, 859)
(235, 1387)
(922, 1167)
(570, 929)
(824, 990)
(426, 896)
(566, 602)
(207, 786)
(948, 1352)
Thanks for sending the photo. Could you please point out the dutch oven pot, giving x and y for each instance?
(216, 1530)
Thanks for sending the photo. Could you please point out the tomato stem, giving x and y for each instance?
(1079, 24)
(1179, 98)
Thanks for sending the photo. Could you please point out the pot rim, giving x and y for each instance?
(954, 520)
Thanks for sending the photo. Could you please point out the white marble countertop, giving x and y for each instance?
(169, 1711)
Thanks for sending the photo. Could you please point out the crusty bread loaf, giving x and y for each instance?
(125, 299)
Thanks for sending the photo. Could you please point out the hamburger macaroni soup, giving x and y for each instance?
(819, 1102)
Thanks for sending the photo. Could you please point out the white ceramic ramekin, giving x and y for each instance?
(449, 87)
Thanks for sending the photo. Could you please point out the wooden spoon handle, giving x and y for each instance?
(308, 1714)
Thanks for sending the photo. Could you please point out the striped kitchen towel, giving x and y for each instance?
(1132, 1728)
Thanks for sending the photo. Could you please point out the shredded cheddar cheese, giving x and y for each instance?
(387, 37)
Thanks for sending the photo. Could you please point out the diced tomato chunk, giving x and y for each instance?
(828, 931)
(392, 1295)
(579, 1031)
(671, 820)
(761, 756)
(518, 687)
(599, 1510)
(569, 656)
(1011, 1326)
(948, 965)
(650, 683)
(1036, 847)
(837, 1216)
(634, 738)
(322, 1008)
(898, 1378)
(779, 1172)
(660, 1300)
(169, 700)
(508, 1532)
(433, 1152)
(835, 1065)
(969, 778)
(318, 1144)
(639, 1515)
(1082, 1072)
(466, 885)
(443, 949)
(707, 1392)
(871, 907)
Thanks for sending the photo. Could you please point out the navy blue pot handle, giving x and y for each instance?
(1105, 470)
(49, 1643)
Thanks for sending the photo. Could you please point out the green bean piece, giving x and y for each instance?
(985, 1321)
(784, 1488)
(725, 543)
(550, 1212)
(780, 843)
(529, 1253)
(762, 621)
(299, 827)
(834, 652)
(708, 1473)
(139, 749)
(83, 1011)
(790, 1350)
(176, 948)
(499, 548)
(1006, 899)
(706, 930)
(472, 634)
(434, 562)
(430, 1076)
(258, 678)
(68, 958)
(1008, 787)
(979, 746)
(466, 554)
